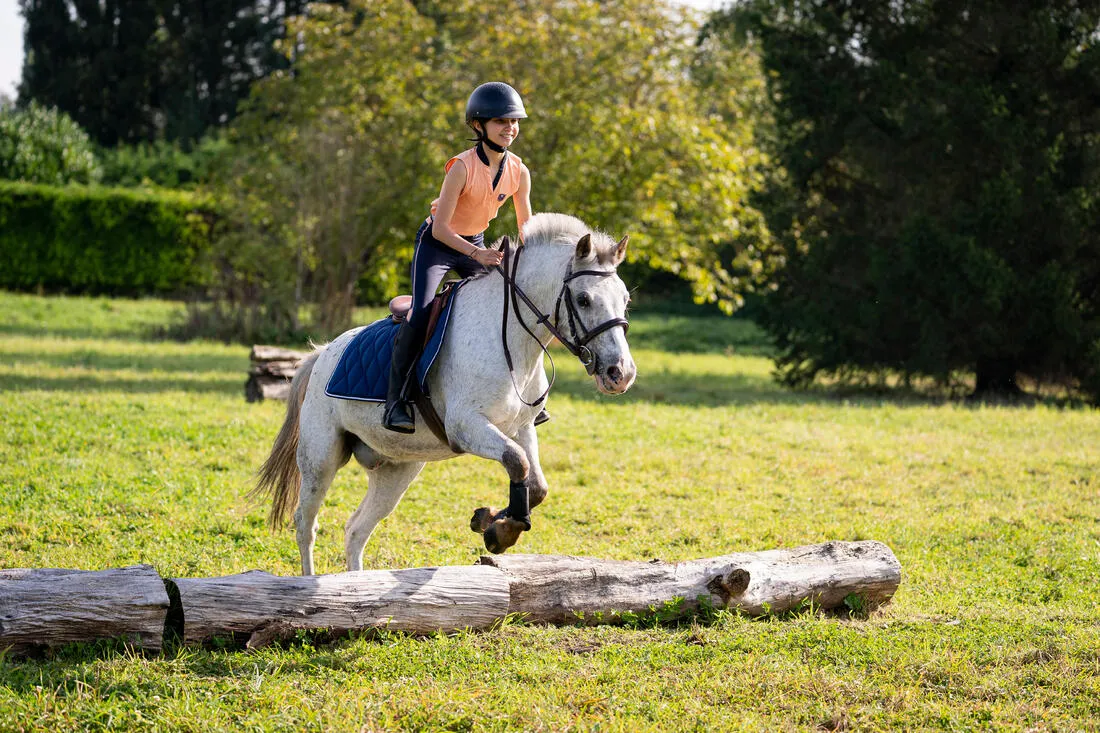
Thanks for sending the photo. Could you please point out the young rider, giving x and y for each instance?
(477, 184)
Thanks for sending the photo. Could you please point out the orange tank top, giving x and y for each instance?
(479, 202)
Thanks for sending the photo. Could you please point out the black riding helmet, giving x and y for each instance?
(492, 100)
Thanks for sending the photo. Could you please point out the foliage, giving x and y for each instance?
(44, 145)
(102, 240)
(116, 450)
(938, 203)
(162, 164)
(339, 157)
(639, 145)
(144, 71)
(331, 168)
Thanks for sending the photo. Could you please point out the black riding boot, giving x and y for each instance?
(398, 416)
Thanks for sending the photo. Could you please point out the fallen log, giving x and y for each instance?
(261, 387)
(419, 601)
(51, 607)
(264, 354)
(558, 589)
(54, 607)
(270, 372)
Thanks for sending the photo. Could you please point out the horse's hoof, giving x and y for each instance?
(502, 534)
(482, 518)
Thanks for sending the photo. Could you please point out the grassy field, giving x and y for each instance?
(118, 449)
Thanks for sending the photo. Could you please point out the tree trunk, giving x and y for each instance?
(560, 589)
(54, 607)
(996, 378)
(265, 606)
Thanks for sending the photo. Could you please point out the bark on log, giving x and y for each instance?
(54, 607)
(419, 600)
(560, 589)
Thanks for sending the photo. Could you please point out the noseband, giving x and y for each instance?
(580, 335)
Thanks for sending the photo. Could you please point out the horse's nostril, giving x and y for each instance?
(614, 373)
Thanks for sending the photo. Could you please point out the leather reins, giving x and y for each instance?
(576, 344)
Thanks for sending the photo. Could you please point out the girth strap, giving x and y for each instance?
(430, 416)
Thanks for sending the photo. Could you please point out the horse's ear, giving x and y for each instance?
(584, 247)
(620, 250)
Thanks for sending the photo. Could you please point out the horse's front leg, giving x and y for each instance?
(479, 437)
(536, 482)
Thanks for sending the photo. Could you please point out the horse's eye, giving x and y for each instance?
(583, 300)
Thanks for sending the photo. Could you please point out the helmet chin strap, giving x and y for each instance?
(483, 138)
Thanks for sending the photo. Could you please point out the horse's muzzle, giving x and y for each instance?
(616, 378)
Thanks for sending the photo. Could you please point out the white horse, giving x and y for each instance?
(567, 273)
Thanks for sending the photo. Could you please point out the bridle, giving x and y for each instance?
(580, 335)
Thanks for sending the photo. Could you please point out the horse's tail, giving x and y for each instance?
(279, 476)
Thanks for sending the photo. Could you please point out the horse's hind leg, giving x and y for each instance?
(386, 485)
(321, 453)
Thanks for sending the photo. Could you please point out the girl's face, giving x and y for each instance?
(502, 131)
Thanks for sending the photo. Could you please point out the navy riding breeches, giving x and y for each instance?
(432, 260)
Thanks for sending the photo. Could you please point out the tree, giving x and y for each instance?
(142, 70)
(332, 168)
(44, 145)
(622, 133)
(938, 207)
(632, 145)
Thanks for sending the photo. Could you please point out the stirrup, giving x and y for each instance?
(542, 417)
(398, 418)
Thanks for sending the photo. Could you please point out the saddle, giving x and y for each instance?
(363, 370)
(402, 304)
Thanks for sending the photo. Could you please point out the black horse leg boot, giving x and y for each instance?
(398, 416)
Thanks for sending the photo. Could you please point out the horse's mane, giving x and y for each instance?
(564, 230)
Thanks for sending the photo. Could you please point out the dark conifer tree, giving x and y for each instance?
(941, 205)
(134, 70)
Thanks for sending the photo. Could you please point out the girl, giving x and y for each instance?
(477, 184)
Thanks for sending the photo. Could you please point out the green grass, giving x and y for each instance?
(117, 449)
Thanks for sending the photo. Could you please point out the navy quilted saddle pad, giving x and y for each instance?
(364, 369)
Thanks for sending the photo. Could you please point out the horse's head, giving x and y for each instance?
(592, 309)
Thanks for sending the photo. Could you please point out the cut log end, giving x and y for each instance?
(731, 585)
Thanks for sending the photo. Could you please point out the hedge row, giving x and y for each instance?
(102, 240)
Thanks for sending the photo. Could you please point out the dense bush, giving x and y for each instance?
(162, 163)
(101, 240)
(42, 145)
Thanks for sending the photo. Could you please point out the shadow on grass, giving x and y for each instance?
(92, 358)
(206, 374)
(695, 335)
(715, 390)
(128, 332)
(84, 384)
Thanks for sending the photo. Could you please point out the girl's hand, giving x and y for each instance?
(487, 257)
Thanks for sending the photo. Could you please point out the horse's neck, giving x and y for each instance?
(541, 270)
(540, 274)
